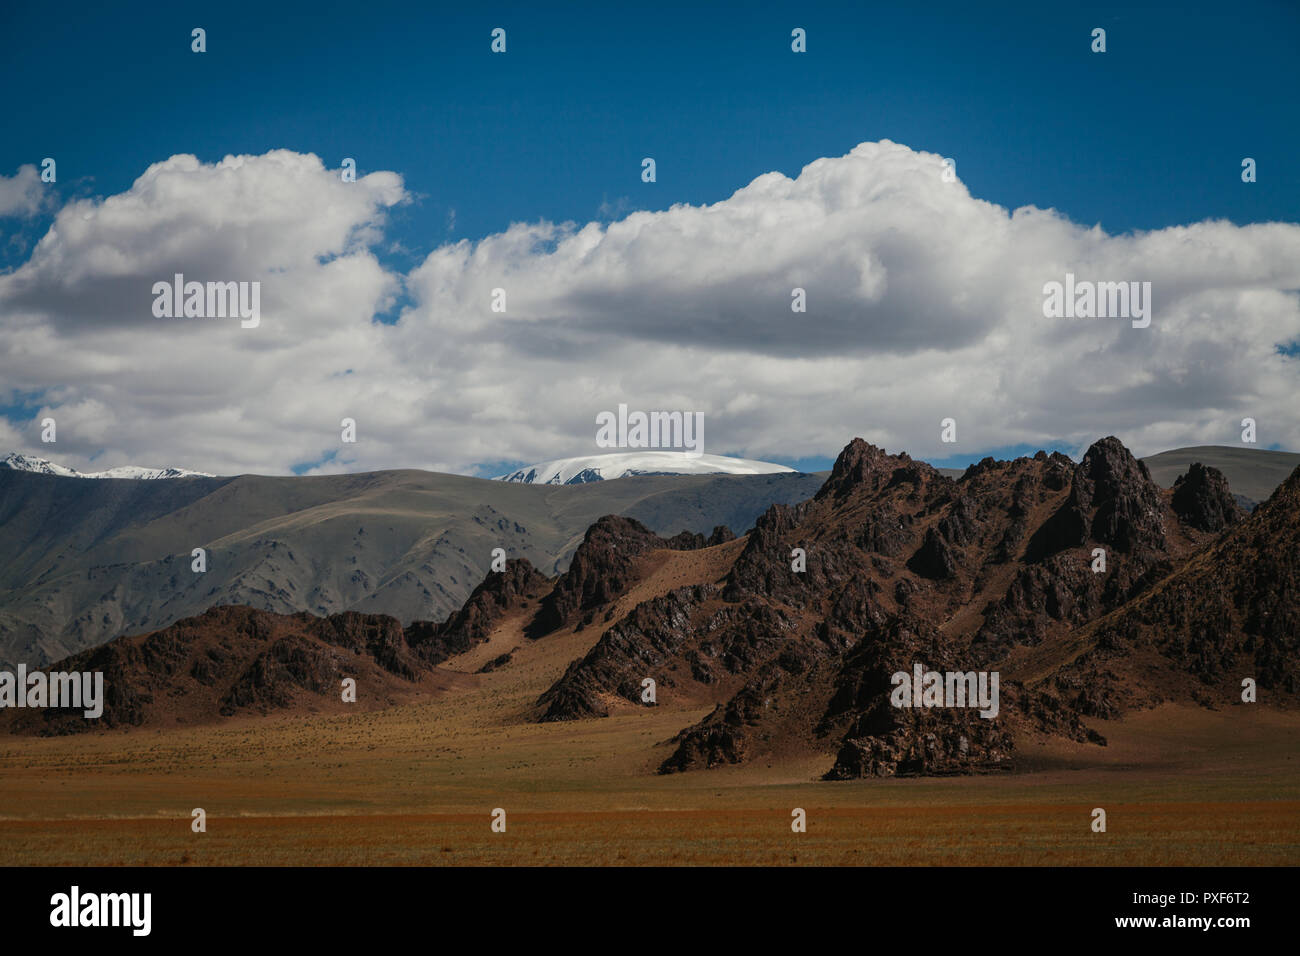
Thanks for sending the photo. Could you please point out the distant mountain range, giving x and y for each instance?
(899, 569)
(43, 466)
(1252, 473)
(82, 562)
(578, 471)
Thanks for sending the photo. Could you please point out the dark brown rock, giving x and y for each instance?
(1203, 500)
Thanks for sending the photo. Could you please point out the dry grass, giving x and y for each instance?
(416, 784)
(1001, 834)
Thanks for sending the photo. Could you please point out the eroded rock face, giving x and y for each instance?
(879, 739)
(935, 559)
(1233, 613)
(760, 569)
(1116, 500)
(1202, 499)
(628, 653)
(673, 639)
(694, 541)
(735, 729)
(232, 660)
(901, 564)
(499, 593)
(602, 569)
(376, 635)
(1113, 506)
(930, 746)
(897, 565)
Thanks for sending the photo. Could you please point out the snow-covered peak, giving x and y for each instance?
(43, 466)
(576, 471)
(40, 466)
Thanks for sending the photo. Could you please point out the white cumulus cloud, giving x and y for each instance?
(21, 194)
(923, 302)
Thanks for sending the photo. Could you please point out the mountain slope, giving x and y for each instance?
(903, 566)
(231, 661)
(995, 573)
(1253, 473)
(1230, 613)
(84, 561)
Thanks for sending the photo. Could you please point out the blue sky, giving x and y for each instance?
(1148, 135)
(1138, 138)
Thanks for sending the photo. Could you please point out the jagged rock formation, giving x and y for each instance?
(906, 565)
(605, 565)
(693, 541)
(500, 592)
(602, 568)
(1203, 500)
(1230, 613)
(234, 660)
(83, 562)
(1087, 589)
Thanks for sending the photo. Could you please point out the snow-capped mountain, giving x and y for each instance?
(43, 466)
(576, 471)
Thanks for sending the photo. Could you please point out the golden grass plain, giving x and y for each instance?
(417, 784)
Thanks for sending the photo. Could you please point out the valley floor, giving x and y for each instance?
(417, 785)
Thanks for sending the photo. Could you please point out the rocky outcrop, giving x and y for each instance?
(518, 586)
(673, 639)
(1115, 502)
(234, 660)
(1230, 614)
(892, 563)
(603, 567)
(739, 728)
(694, 541)
(1203, 500)
(860, 467)
(633, 649)
(1086, 588)
(1114, 513)
(498, 662)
